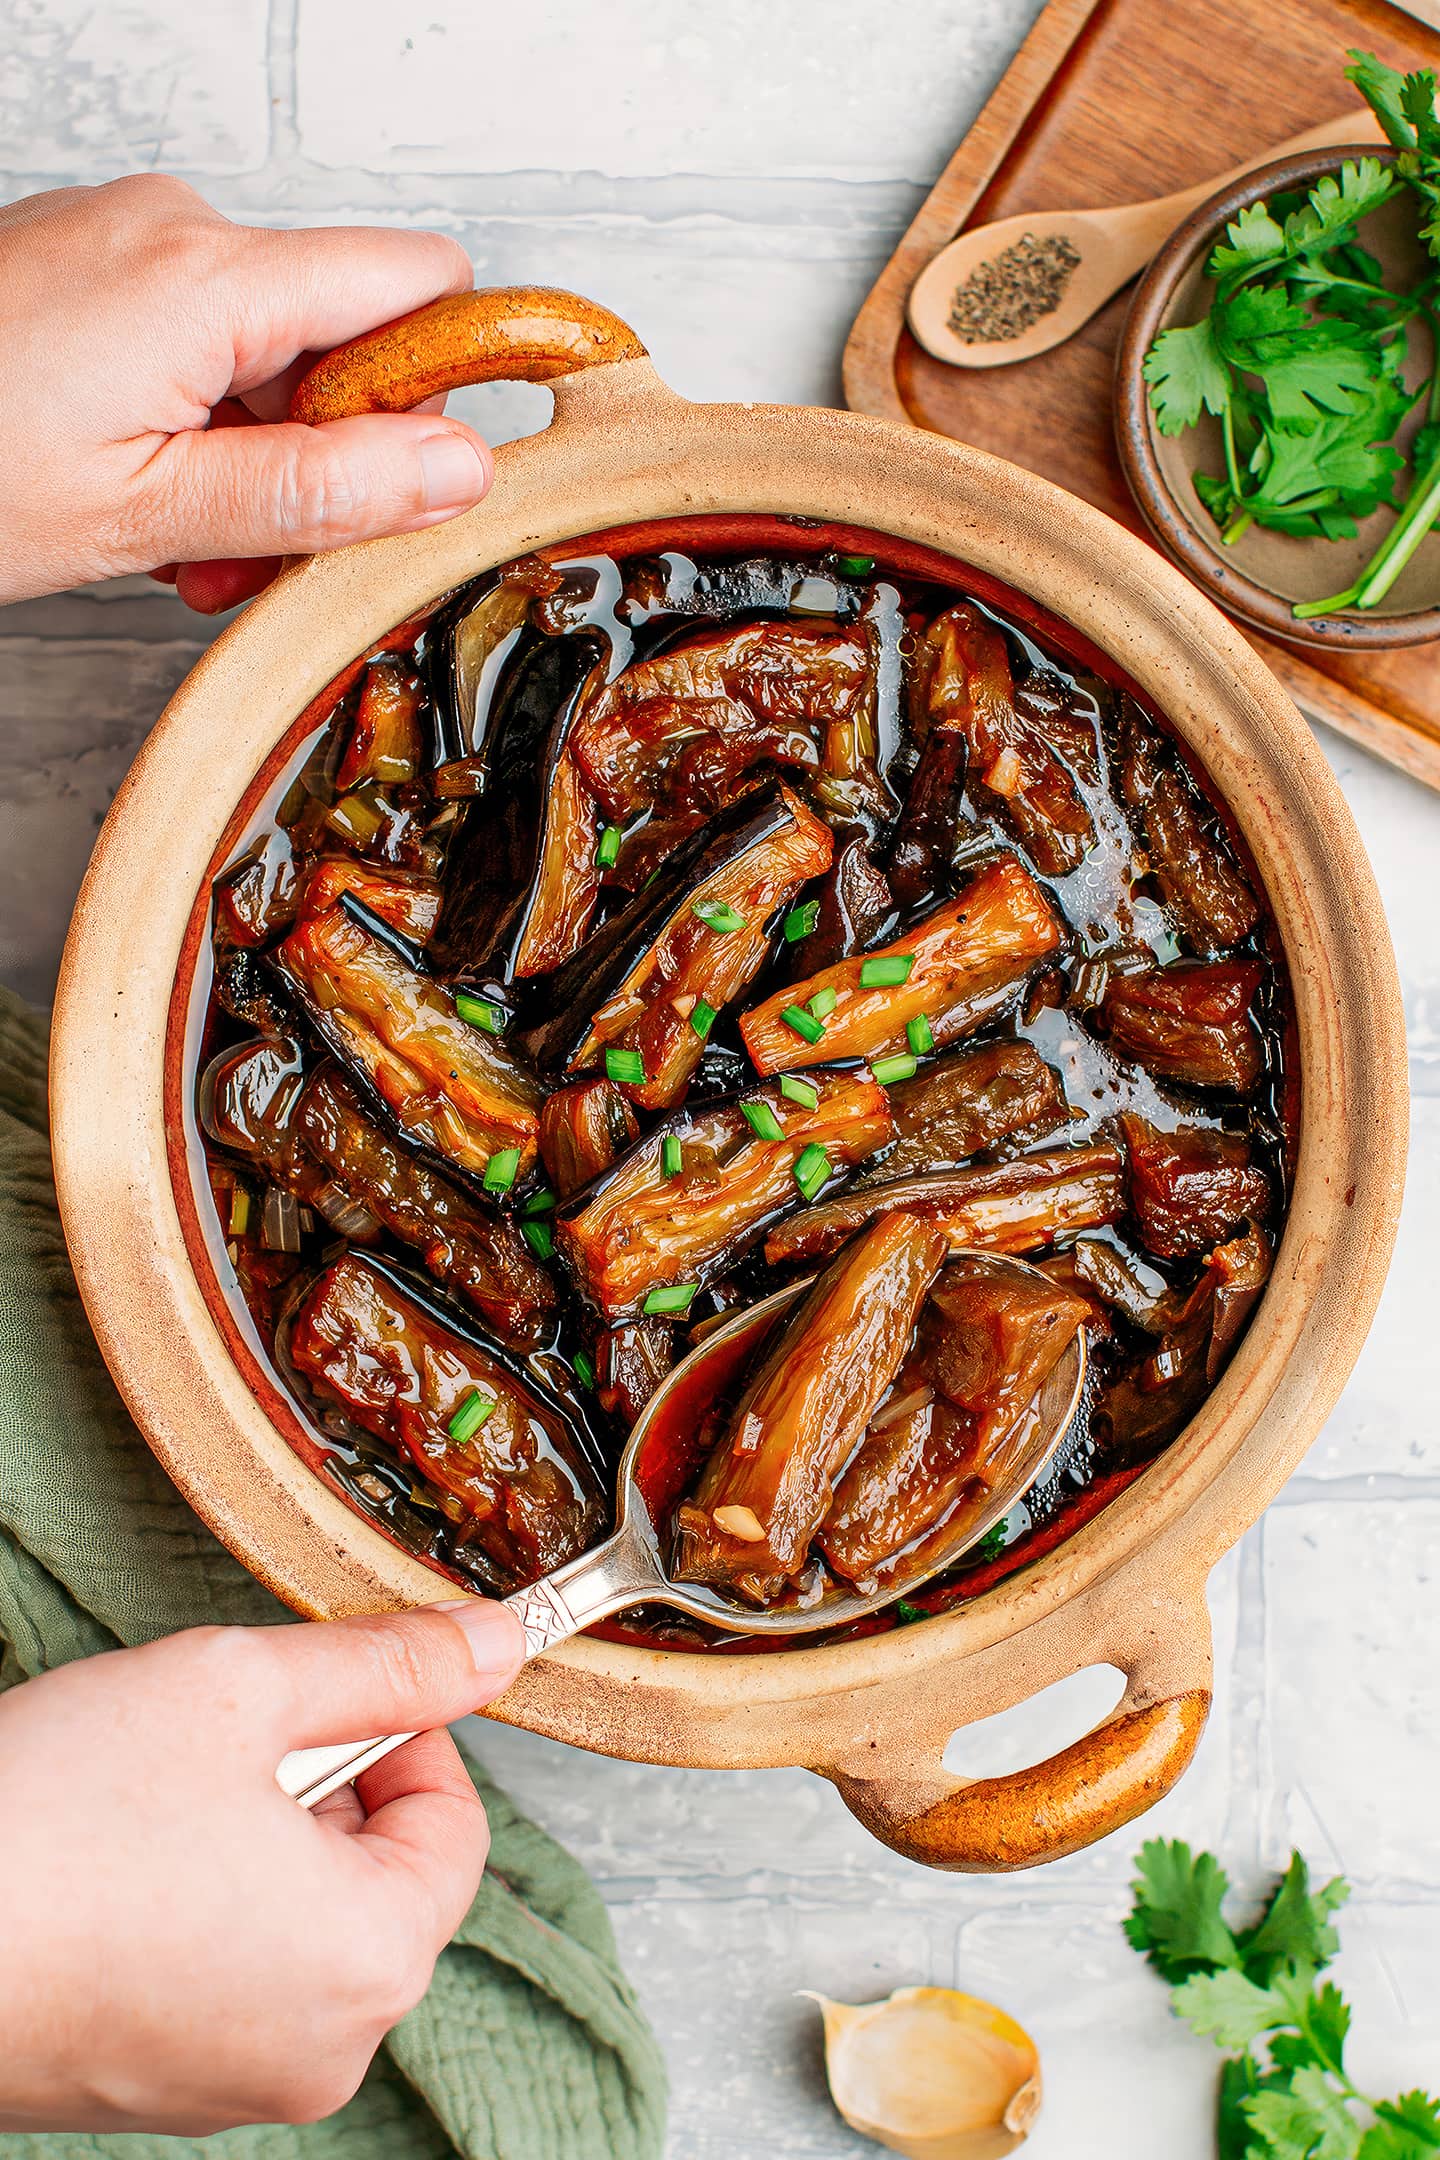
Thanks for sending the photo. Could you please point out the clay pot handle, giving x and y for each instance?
(1105, 1779)
(504, 333)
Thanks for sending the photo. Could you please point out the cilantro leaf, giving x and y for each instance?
(1295, 1926)
(1409, 2128)
(1310, 2121)
(1382, 89)
(1303, 383)
(1336, 204)
(1255, 238)
(1185, 372)
(1417, 103)
(1232, 2009)
(1176, 1920)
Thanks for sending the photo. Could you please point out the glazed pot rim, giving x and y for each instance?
(624, 448)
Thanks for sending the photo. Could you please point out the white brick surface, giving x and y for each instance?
(627, 89)
(655, 164)
(87, 92)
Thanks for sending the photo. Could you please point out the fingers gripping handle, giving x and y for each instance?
(504, 333)
(618, 1573)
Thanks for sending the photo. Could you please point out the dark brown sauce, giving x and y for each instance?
(618, 610)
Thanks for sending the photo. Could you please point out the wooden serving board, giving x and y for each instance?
(1116, 101)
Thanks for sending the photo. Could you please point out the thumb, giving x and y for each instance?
(392, 1672)
(293, 490)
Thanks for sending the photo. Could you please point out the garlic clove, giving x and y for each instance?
(932, 2073)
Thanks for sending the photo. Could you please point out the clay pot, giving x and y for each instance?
(874, 1715)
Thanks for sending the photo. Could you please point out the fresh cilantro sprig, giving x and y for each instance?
(1301, 357)
(1285, 2093)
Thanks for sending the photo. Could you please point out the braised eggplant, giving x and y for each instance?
(686, 953)
(1190, 1189)
(967, 1103)
(1011, 1207)
(953, 1422)
(767, 1487)
(953, 970)
(641, 929)
(447, 1084)
(500, 1455)
(1190, 1022)
(691, 1199)
(973, 739)
(1193, 865)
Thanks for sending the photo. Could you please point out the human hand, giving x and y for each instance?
(148, 350)
(186, 1948)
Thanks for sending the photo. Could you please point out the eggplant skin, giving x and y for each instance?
(476, 1252)
(1198, 877)
(1010, 1207)
(448, 1086)
(767, 1487)
(962, 956)
(691, 963)
(637, 1230)
(1191, 1021)
(519, 1490)
(1143, 1406)
(635, 983)
(968, 1102)
(1189, 1190)
(963, 694)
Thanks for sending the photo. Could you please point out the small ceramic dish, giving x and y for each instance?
(1261, 577)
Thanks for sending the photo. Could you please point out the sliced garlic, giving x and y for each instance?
(932, 2073)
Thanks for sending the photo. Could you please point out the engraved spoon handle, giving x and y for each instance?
(618, 1573)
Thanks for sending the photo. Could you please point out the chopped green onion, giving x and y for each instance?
(717, 915)
(471, 1415)
(920, 1035)
(480, 1012)
(539, 1203)
(855, 565)
(239, 1210)
(823, 1003)
(812, 1169)
(584, 1366)
(888, 1070)
(762, 1119)
(674, 1300)
(609, 847)
(886, 972)
(801, 921)
(539, 1237)
(702, 1018)
(500, 1171)
(804, 1023)
(672, 1155)
(625, 1065)
(799, 1091)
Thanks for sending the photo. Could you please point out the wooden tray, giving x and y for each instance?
(1116, 101)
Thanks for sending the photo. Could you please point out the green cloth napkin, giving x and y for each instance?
(530, 2044)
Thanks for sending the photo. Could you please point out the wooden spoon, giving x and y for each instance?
(1114, 245)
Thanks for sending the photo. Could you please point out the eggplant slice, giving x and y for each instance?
(499, 1453)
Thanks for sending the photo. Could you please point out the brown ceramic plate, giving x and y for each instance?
(1263, 574)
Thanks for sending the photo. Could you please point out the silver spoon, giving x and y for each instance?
(629, 1568)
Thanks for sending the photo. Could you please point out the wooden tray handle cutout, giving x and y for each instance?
(503, 333)
(981, 1826)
